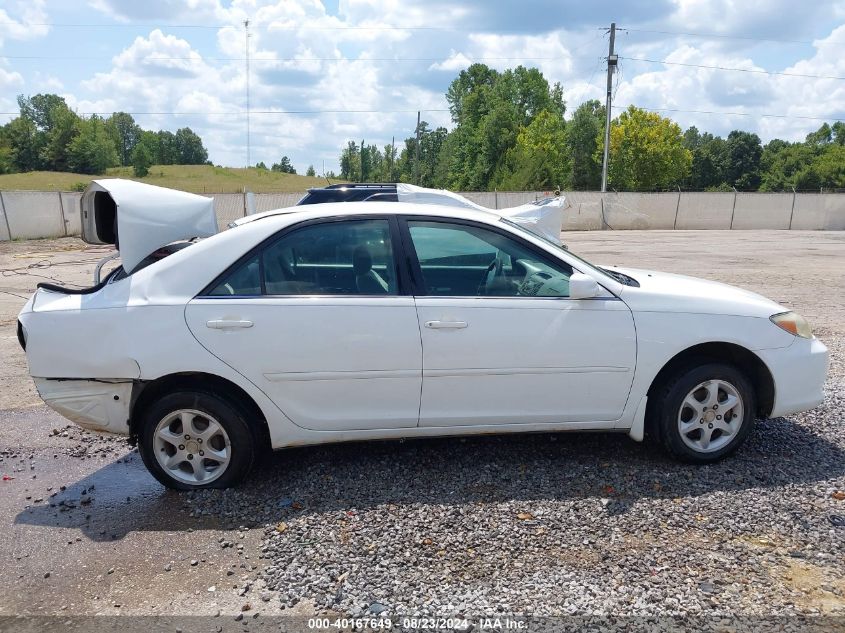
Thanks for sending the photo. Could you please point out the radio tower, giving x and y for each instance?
(246, 45)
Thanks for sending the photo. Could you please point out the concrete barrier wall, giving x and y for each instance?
(37, 214)
(4, 223)
(270, 201)
(623, 211)
(584, 211)
(71, 212)
(504, 199)
(762, 211)
(228, 207)
(818, 211)
(34, 214)
(705, 211)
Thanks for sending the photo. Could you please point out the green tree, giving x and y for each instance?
(167, 150)
(366, 163)
(55, 127)
(582, 134)
(189, 148)
(310, 171)
(126, 134)
(466, 93)
(489, 109)
(144, 153)
(45, 136)
(7, 163)
(787, 165)
(830, 167)
(92, 150)
(838, 130)
(646, 152)
(261, 165)
(431, 144)
(64, 125)
(709, 160)
(25, 143)
(350, 162)
(744, 154)
(540, 158)
(389, 170)
(284, 166)
(822, 136)
(40, 108)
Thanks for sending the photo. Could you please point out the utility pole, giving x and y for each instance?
(392, 149)
(417, 156)
(362, 160)
(246, 46)
(612, 60)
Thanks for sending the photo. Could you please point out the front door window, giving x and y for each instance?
(458, 260)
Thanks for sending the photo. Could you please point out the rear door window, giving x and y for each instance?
(350, 257)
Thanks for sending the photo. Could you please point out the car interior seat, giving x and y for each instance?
(367, 280)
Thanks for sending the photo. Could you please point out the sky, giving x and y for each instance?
(325, 72)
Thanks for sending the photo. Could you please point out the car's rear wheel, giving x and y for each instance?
(706, 412)
(190, 440)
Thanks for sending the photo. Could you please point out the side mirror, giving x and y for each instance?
(582, 286)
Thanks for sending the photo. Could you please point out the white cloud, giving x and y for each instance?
(774, 19)
(306, 58)
(23, 20)
(160, 55)
(455, 62)
(10, 80)
(144, 10)
(741, 99)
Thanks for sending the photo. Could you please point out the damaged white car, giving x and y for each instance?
(370, 320)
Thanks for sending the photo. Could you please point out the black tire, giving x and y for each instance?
(670, 397)
(243, 440)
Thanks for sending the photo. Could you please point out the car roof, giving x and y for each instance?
(355, 185)
(332, 209)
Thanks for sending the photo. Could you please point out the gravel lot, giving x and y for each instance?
(544, 525)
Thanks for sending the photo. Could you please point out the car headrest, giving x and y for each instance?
(362, 261)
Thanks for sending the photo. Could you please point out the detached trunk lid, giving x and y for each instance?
(138, 218)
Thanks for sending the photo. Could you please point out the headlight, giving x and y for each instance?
(793, 323)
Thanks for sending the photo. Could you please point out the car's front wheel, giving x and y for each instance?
(706, 412)
(191, 439)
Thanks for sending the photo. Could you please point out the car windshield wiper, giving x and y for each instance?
(622, 278)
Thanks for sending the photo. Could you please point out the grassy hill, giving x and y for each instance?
(195, 178)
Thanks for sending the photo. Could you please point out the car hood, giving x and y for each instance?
(666, 292)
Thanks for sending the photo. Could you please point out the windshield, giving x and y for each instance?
(583, 264)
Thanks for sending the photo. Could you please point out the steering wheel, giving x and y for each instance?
(494, 270)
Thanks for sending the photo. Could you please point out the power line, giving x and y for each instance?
(199, 58)
(238, 112)
(723, 113)
(278, 27)
(716, 36)
(265, 25)
(117, 25)
(730, 68)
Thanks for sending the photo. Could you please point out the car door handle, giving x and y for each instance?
(444, 325)
(228, 324)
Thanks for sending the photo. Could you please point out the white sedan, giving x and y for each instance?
(377, 320)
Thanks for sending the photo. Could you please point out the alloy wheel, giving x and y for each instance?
(711, 414)
(191, 446)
